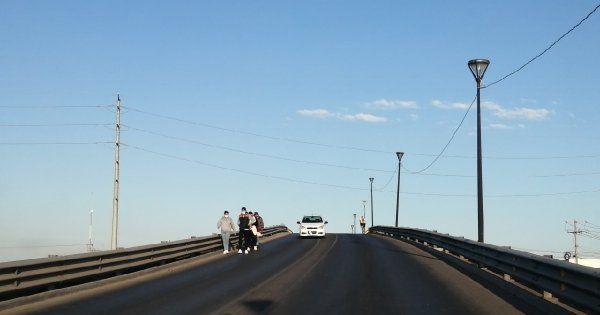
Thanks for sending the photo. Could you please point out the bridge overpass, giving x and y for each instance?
(341, 274)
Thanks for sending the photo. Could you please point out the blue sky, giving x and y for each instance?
(288, 108)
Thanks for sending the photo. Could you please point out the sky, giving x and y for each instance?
(288, 108)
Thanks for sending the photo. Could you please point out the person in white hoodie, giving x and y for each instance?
(227, 227)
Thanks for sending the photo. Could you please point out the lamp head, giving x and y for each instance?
(399, 154)
(478, 67)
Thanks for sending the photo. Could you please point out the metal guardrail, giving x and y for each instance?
(26, 277)
(572, 284)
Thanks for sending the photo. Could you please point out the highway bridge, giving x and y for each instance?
(338, 274)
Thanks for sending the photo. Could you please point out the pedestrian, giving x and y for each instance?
(245, 233)
(227, 227)
(254, 230)
(363, 223)
(260, 226)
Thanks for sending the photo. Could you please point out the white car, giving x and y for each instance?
(312, 226)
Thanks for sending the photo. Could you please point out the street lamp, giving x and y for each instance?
(478, 67)
(371, 180)
(399, 154)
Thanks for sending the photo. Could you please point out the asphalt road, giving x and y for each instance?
(341, 274)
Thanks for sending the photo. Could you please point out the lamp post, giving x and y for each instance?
(371, 180)
(478, 67)
(354, 225)
(399, 154)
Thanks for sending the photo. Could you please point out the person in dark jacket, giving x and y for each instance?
(260, 224)
(244, 238)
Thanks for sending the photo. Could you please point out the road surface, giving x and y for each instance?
(340, 274)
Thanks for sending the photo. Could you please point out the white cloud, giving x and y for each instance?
(389, 105)
(504, 126)
(499, 126)
(318, 113)
(500, 111)
(444, 105)
(517, 112)
(363, 117)
(323, 113)
(528, 100)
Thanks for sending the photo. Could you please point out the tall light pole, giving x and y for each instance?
(478, 67)
(399, 154)
(371, 180)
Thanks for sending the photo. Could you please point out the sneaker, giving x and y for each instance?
(225, 252)
(247, 251)
(255, 248)
(239, 251)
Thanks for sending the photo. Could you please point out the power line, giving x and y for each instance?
(569, 175)
(545, 50)
(288, 179)
(55, 125)
(393, 173)
(257, 134)
(437, 156)
(53, 106)
(593, 226)
(241, 171)
(390, 179)
(449, 141)
(545, 194)
(254, 153)
(55, 143)
(563, 157)
(440, 175)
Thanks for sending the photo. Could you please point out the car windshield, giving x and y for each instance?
(312, 219)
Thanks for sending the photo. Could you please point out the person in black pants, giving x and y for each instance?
(245, 233)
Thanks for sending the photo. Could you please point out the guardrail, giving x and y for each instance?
(26, 277)
(572, 284)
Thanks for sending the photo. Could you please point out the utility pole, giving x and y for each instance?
(575, 232)
(115, 217)
(90, 245)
